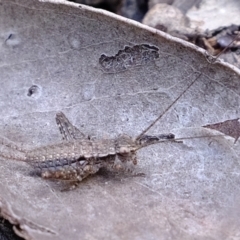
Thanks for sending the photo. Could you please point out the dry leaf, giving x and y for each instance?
(59, 56)
(229, 127)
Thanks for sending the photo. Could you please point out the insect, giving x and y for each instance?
(79, 156)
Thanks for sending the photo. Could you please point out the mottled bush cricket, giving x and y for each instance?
(80, 156)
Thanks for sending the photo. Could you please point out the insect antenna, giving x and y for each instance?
(147, 140)
(161, 115)
(213, 59)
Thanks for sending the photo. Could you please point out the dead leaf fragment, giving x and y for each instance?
(51, 63)
(229, 127)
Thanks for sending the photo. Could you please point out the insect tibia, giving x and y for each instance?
(146, 140)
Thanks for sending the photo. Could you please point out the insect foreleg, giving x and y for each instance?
(124, 163)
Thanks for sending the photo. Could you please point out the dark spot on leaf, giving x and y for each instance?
(9, 36)
(128, 58)
(34, 90)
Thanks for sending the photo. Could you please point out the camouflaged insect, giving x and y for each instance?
(78, 156)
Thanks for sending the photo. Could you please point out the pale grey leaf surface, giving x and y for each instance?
(49, 62)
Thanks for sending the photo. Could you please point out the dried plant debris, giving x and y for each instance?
(224, 37)
(229, 127)
(215, 41)
(224, 41)
(129, 57)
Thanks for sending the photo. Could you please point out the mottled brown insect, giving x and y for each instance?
(79, 156)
